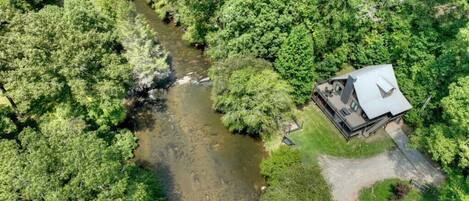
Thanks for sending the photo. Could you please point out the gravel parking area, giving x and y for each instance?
(348, 176)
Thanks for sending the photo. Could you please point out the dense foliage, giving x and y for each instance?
(295, 63)
(142, 49)
(252, 98)
(143, 52)
(62, 161)
(194, 15)
(448, 141)
(64, 75)
(426, 41)
(288, 179)
(64, 55)
(257, 27)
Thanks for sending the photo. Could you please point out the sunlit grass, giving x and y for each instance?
(319, 136)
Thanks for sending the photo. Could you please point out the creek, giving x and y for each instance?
(184, 140)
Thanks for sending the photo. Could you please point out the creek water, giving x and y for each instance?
(183, 139)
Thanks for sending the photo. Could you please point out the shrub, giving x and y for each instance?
(299, 183)
(277, 162)
(400, 190)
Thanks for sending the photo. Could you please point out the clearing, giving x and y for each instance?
(319, 137)
(351, 166)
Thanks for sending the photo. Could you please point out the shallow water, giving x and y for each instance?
(184, 139)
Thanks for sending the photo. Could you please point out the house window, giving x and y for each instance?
(354, 105)
(338, 89)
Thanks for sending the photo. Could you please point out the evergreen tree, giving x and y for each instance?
(295, 63)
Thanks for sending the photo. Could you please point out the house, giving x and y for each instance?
(362, 101)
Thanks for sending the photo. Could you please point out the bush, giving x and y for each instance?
(277, 162)
(400, 190)
(289, 179)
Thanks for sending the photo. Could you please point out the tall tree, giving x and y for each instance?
(295, 63)
(253, 98)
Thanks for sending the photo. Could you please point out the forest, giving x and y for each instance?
(279, 48)
(66, 68)
(65, 71)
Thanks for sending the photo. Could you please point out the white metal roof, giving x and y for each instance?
(369, 81)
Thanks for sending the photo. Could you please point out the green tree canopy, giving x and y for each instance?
(196, 16)
(144, 53)
(295, 63)
(253, 99)
(456, 104)
(257, 27)
(62, 161)
(64, 69)
(60, 55)
(8, 125)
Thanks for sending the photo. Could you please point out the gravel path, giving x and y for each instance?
(348, 176)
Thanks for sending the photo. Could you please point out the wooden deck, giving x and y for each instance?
(354, 119)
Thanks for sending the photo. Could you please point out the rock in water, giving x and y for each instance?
(184, 80)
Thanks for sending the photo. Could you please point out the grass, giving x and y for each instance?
(272, 142)
(382, 191)
(319, 136)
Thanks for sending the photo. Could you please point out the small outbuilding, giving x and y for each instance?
(362, 101)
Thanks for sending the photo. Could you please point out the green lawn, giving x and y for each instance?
(319, 136)
(382, 191)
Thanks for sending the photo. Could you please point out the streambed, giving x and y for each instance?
(183, 139)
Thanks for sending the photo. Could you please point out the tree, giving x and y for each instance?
(455, 189)
(144, 53)
(295, 63)
(194, 15)
(61, 161)
(257, 28)
(64, 71)
(456, 104)
(65, 55)
(26, 5)
(8, 119)
(442, 147)
(253, 99)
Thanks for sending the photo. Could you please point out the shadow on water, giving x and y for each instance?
(182, 138)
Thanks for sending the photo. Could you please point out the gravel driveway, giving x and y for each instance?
(348, 176)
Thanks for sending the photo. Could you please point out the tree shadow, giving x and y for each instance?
(163, 173)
